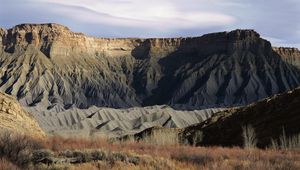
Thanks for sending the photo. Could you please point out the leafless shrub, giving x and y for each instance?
(283, 140)
(286, 143)
(17, 148)
(249, 137)
(197, 138)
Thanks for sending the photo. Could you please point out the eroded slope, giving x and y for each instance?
(97, 121)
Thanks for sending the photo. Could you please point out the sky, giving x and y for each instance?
(275, 20)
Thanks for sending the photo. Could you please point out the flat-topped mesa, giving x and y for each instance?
(58, 41)
(227, 42)
(37, 35)
(289, 55)
(219, 69)
(287, 50)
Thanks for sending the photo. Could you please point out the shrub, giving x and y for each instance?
(82, 157)
(134, 160)
(118, 156)
(17, 148)
(98, 155)
(249, 136)
(286, 143)
(42, 156)
(66, 153)
(197, 138)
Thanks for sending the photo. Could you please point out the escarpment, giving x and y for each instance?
(289, 55)
(49, 67)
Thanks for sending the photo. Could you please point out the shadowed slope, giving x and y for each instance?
(268, 117)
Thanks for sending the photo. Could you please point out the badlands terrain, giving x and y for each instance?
(70, 101)
(75, 84)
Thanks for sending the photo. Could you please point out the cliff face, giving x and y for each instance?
(50, 67)
(289, 55)
(14, 117)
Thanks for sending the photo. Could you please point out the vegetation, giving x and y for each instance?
(286, 143)
(163, 136)
(249, 137)
(22, 152)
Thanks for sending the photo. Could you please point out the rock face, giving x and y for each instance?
(14, 117)
(289, 55)
(50, 67)
(268, 118)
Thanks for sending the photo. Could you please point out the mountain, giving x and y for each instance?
(49, 67)
(14, 118)
(269, 118)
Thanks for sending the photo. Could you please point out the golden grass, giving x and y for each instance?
(187, 157)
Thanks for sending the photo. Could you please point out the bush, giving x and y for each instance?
(82, 156)
(197, 138)
(42, 156)
(98, 155)
(17, 148)
(286, 143)
(249, 136)
(118, 156)
(134, 160)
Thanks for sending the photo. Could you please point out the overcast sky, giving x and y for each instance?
(276, 20)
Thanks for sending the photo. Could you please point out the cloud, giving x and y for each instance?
(159, 15)
(278, 19)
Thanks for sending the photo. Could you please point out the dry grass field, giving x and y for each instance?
(21, 152)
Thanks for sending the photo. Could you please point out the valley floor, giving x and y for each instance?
(21, 152)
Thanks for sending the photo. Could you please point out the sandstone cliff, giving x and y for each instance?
(13, 117)
(290, 55)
